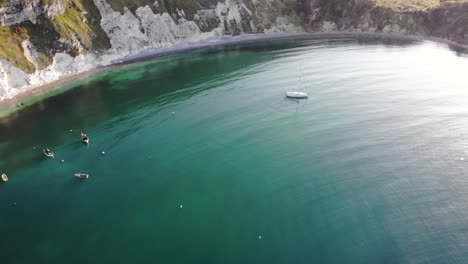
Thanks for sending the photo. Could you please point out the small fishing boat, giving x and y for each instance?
(296, 95)
(48, 153)
(81, 176)
(84, 138)
(4, 178)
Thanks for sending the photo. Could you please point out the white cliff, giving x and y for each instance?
(130, 33)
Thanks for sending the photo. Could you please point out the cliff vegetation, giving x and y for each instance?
(70, 26)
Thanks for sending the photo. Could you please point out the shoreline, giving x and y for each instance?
(33, 94)
(253, 38)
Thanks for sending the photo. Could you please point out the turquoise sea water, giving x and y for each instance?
(206, 162)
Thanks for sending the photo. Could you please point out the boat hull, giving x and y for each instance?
(49, 155)
(296, 95)
(84, 138)
(4, 178)
(81, 176)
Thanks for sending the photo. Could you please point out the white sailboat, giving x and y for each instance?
(297, 94)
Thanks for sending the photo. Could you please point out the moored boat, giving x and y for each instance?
(296, 95)
(4, 178)
(81, 176)
(84, 138)
(48, 153)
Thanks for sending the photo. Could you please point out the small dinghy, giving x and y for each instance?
(48, 153)
(81, 176)
(84, 138)
(296, 95)
(4, 178)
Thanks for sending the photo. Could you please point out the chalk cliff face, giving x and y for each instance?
(41, 40)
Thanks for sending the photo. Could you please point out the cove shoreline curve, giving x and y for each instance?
(33, 94)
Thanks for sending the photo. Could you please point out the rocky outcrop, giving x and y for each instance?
(41, 40)
(448, 21)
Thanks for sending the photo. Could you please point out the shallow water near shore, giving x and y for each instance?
(206, 162)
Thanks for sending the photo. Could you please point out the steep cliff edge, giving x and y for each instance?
(445, 19)
(42, 40)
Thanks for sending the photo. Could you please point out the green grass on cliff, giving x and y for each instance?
(408, 5)
(74, 24)
(414, 5)
(80, 23)
(11, 49)
(79, 4)
(71, 25)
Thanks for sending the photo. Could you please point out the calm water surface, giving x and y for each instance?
(206, 162)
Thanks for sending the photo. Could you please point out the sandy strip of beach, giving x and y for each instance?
(33, 94)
